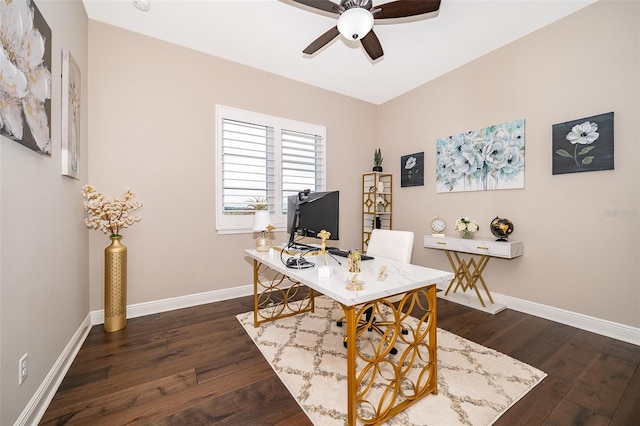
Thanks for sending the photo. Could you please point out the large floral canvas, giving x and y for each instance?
(25, 86)
(490, 158)
(583, 145)
(71, 86)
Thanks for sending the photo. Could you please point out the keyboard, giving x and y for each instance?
(344, 253)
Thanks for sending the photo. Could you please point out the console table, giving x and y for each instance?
(467, 273)
(280, 291)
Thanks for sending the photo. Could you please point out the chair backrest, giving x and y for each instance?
(392, 244)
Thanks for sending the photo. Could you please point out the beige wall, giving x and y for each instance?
(44, 296)
(156, 134)
(153, 130)
(580, 231)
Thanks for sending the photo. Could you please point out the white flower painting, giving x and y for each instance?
(479, 160)
(412, 172)
(25, 75)
(583, 145)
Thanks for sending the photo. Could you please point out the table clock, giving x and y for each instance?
(437, 225)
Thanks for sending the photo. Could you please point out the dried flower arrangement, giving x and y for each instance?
(109, 215)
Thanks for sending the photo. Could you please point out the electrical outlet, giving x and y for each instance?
(23, 369)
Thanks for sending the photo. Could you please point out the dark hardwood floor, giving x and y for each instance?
(197, 366)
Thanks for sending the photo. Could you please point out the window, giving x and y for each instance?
(261, 160)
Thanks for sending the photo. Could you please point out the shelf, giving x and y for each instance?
(372, 182)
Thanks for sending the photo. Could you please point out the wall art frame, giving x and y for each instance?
(412, 170)
(583, 145)
(490, 158)
(70, 129)
(26, 80)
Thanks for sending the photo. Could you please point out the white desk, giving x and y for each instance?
(280, 291)
(469, 272)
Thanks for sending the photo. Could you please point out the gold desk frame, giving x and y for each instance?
(402, 383)
(273, 300)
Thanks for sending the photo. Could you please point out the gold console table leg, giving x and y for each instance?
(467, 274)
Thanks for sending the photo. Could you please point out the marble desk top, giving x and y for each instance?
(399, 277)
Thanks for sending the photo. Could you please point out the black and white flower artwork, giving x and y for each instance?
(583, 145)
(412, 170)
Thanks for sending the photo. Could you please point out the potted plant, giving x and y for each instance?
(257, 203)
(377, 161)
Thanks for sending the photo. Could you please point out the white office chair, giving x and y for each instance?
(389, 244)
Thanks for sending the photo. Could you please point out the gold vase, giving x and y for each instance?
(115, 286)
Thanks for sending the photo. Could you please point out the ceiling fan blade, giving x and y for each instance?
(324, 5)
(318, 43)
(405, 8)
(372, 45)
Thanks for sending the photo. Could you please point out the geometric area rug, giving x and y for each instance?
(476, 385)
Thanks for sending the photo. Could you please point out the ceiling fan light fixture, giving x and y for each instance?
(355, 23)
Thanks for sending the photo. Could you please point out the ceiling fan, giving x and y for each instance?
(356, 18)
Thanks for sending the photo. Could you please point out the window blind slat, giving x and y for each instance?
(258, 158)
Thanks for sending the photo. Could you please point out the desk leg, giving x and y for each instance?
(350, 317)
(401, 379)
(277, 296)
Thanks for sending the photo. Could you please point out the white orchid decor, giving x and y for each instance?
(109, 215)
(464, 224)
(25, 80)
(410, 165)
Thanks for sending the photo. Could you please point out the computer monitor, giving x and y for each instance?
(308, 213)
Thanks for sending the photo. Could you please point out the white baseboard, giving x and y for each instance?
(626, 333)
(472, 301)
(606, 328)
(165, 305)
(35, 409)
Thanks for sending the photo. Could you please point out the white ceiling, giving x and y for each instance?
(271, 34)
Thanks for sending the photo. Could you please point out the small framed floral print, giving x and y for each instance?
(71, 92)
(583, 145)
(412, 170)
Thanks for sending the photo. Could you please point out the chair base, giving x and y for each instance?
(372, 325)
